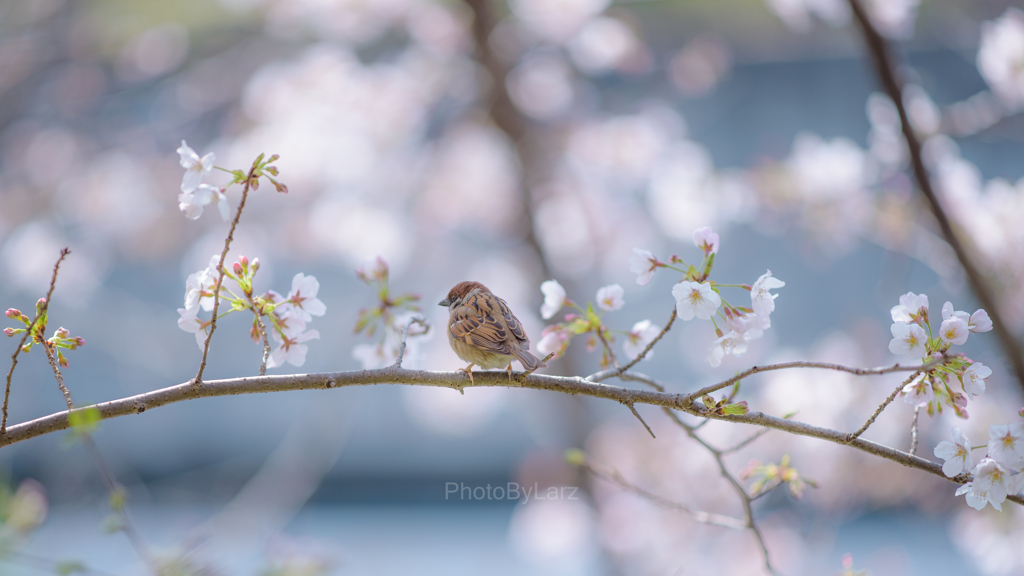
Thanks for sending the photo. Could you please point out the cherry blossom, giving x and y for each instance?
(762, 301)
(977, 496)
(751, 326)
(954, 330)
(642, 334)
(974, 378)
(199, 286)
(979, 321)
(948, 312)
(907, 339)
(989, 485)
(643, 264)
(956, 453)
(195, 168)
(695, 299)
(918, 392)
(911, 307)
(192, 203)
(554, 298)
(303, 297)
(610, 298)
(706, 240)
(553, 339)
(1006, 444)
(291, 349)
(193, 325)
(731, 343)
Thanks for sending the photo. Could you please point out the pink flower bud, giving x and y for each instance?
(62, 360)
(63, 333)
(959, 399)
(237, 268)
(11, 332)
(273, 158)
(79, 341)
(255, 264)
(244, 260)
(13, 313)
(1020, 412)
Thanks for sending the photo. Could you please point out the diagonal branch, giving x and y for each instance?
(28, 332)
(198, 380)
(745, 498)
(885, 66)
(696, 515)
(618, 371)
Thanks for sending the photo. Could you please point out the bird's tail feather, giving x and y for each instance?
(529, 361)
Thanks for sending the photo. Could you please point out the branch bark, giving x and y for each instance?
(572, 385)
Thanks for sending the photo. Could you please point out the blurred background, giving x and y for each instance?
(507, 143)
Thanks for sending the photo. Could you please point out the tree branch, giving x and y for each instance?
(618, 371)
(885, 66)
(28, 332)
(800, 364)
(573, 385)
(198, 380)
(696, 515)
(745, 498)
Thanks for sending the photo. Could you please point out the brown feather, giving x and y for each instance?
(484, 331)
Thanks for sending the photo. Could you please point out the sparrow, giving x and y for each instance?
(484, 332)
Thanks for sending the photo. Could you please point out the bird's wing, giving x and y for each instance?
(478, 323)
(514, 326)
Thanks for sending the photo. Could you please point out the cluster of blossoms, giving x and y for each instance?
(386, 321)
(61, 337)
(287, 315)
(912, 334)
(587, 320)
(998, 475)
(695, 296)
(196, 194)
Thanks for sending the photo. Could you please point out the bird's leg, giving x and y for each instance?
(468, 370)
(509, 370)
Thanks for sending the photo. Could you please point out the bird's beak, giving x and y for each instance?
(444, 303)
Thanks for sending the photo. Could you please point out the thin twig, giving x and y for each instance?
(608, 348)
(825, 365)
(60, 377)
(638, 417)
(643, 378)
(405, 335)
(28, 332)
(114, 487)
(108, 475)
(696, 515)
(746, 442)
(885, 66)
(886, 402)
(572, 385)
(198, 380)
(263, 334)
(47, 565)
(745, 498)
(606, 374)
(913, 430)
